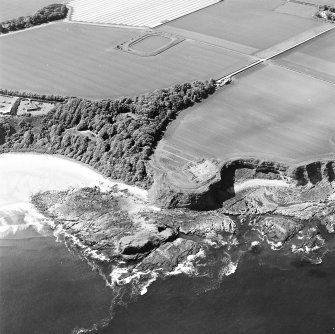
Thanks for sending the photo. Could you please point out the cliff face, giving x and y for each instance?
(205, 197)
(313, 173)
(210, 194)
(288, 206)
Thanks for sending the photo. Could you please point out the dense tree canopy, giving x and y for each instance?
(30, 95)
(116, 137)
(46, 14)
(326, 12)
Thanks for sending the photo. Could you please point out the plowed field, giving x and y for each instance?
(80, 60)
(252, 23)
(270, 113)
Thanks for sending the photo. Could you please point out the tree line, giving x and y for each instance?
(116, 137)
(326, 12)
(34, 96)
(44, 15)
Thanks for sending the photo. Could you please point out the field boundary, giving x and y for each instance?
(211, 40)
(140, 15)
(43, 25)
(297, 9)
(127, 46)
(198, 10)
(304, 3)
(68, 19)
(299, 69)
(293, 42)
(274, 51)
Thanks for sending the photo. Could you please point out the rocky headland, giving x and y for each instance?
(205, 212)
(241, 205)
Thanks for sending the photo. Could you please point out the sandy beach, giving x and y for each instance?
(24, 174)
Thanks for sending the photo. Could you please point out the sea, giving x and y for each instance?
(48, 287)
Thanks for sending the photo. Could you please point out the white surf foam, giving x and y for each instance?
(86, 250)
(145, 286)
(140, 280)
(229, 269)
(255, 243)
(19, 217)
(188, 266)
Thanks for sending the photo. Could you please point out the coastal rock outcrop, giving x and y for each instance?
(170, 255)
(203, 225)
(140, 243)
(194, 189)
(97, 220)
(278, 230)
(310, 244)
(251, 202)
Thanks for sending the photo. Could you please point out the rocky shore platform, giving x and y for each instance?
(242, 205)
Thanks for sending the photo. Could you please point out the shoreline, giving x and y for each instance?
(134, 190)
(167, 242)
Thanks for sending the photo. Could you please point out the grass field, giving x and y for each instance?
(247, 22)
(269, 112)
(10, 9)
(316, 57)
(80, 60)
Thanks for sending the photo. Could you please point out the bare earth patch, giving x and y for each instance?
(201, 171)
(34, 107)
(6, 104)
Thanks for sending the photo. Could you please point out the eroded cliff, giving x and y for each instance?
(209, 192)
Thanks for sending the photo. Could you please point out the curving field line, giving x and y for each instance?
(139, 13)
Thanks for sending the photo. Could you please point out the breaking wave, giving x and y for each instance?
(189, 266)
(86, 251)
(20, 217)
(126, 281)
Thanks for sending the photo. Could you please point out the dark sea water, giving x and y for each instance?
(45, 288)
(266, 294)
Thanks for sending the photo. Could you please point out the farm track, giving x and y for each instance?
(215, 41)
(28, 29)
